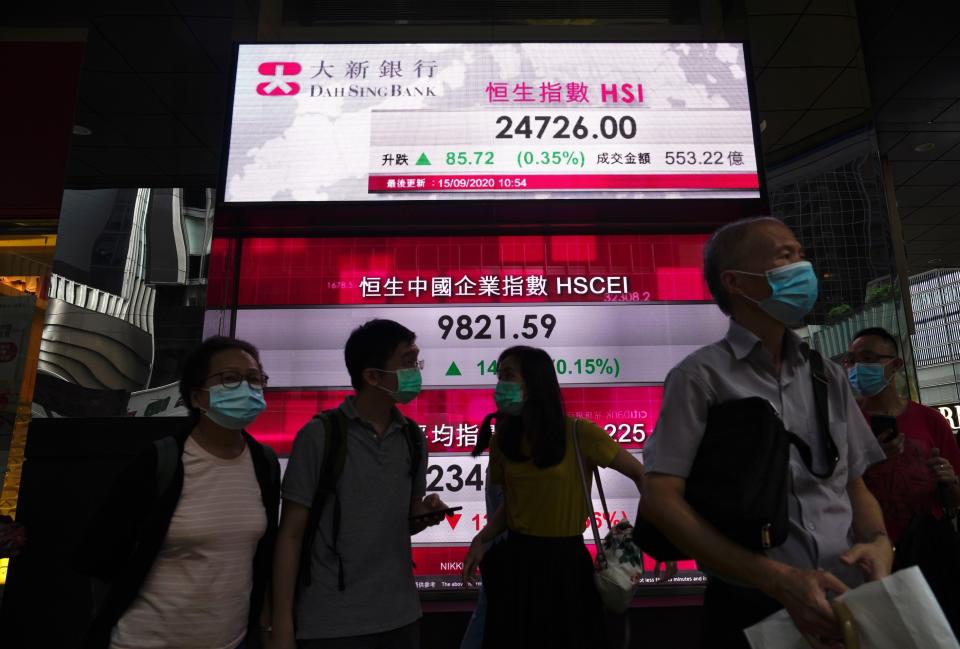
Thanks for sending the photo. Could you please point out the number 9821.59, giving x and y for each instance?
(484, 327)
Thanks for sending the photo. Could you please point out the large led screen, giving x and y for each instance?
(615, 312)
(420, 121)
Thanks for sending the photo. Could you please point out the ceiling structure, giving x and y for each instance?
(156, 75)
(153, 92)
(808, 73)
(913, 55)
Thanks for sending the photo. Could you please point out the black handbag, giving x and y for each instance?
(933, 545)
(740, 476)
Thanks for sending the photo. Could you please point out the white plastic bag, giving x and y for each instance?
(899, 612)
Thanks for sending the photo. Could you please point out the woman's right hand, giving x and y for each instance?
(669, 571)
(472, 561)
(282, 637)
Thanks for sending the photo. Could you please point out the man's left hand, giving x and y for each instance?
(874, 558)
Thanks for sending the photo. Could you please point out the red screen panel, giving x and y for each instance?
(290, 304)
(302, 271)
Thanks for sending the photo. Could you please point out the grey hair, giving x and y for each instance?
(724, 251)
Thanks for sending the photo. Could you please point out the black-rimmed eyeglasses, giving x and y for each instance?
(231, 379)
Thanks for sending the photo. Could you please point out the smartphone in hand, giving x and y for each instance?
(436, 512)
(880, 424)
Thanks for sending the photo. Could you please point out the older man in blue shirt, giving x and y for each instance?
(756, 272)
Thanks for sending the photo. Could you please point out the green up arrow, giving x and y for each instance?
(453, 370)
(423, 160)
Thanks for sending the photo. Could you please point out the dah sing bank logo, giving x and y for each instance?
(279, 73)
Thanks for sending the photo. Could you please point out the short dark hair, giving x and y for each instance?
(371, 345)
(724, 251)
(196, 368)
(879, 332)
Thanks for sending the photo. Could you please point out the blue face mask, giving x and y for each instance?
(867, 379)
(795, 290)
(235, 408)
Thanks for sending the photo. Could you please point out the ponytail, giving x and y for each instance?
(483, 436)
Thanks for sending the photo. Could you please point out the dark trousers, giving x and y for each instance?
(406, 637)
(728, 610)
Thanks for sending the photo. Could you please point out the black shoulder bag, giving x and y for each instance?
(740, 476)
(933, 545)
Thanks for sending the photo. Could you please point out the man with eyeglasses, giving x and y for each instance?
(922, 455)
(343, 574)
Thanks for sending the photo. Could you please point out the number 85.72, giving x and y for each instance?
(466, 327)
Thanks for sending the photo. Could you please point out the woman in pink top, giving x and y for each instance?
(185, 542)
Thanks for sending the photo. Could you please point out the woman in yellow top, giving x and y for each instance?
(539, 581)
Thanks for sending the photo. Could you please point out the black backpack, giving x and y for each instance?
(335, 425)
(740, 477)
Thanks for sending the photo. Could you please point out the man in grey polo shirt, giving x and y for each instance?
(756, 273)
(362, 593)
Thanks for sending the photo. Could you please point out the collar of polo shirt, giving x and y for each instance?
(743, 341)
(350, 410)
